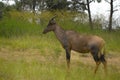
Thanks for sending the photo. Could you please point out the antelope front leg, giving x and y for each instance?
(68, 57)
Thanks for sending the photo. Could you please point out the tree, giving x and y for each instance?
(56, 4)
(41, 4)
(2, 6)
(89, 11)
(112, 10)
(34, 5)
(89, 14)
(77, 5)
(26, 4)
(111, 15)
(21, 4)
(18, 5)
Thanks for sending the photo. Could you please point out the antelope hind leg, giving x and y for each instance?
(104, 62)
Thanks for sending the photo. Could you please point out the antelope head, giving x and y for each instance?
(50, 26)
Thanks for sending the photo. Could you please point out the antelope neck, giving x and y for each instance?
(60, 34)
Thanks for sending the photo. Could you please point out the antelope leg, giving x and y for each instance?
(68, 57)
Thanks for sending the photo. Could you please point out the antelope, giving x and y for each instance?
(71, 40)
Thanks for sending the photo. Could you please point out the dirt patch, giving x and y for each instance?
(34, 54)
(113, 60)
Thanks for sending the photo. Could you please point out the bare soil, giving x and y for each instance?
(34, 54)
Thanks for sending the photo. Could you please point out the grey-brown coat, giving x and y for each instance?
(71, 40)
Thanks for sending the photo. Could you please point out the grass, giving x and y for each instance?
(25, 67)
(27, 54)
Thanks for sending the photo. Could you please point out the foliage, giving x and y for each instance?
(2, 6)
(16, 25)
(99, 1)
(18, 5)
(78, 5)
(56, 4)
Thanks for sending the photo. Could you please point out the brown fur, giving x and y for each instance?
(72, 40)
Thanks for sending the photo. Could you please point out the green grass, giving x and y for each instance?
(23, 69)
(27, 54)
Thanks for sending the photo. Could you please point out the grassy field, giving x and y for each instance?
(27, 54)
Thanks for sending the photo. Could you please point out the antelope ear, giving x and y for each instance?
(53, 19)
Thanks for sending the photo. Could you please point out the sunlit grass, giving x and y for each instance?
(22, 69)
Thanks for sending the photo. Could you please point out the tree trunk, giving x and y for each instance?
(111, 15)
(34, 5)
(89, 13)
(1, 14)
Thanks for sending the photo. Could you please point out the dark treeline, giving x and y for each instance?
(76, 5)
